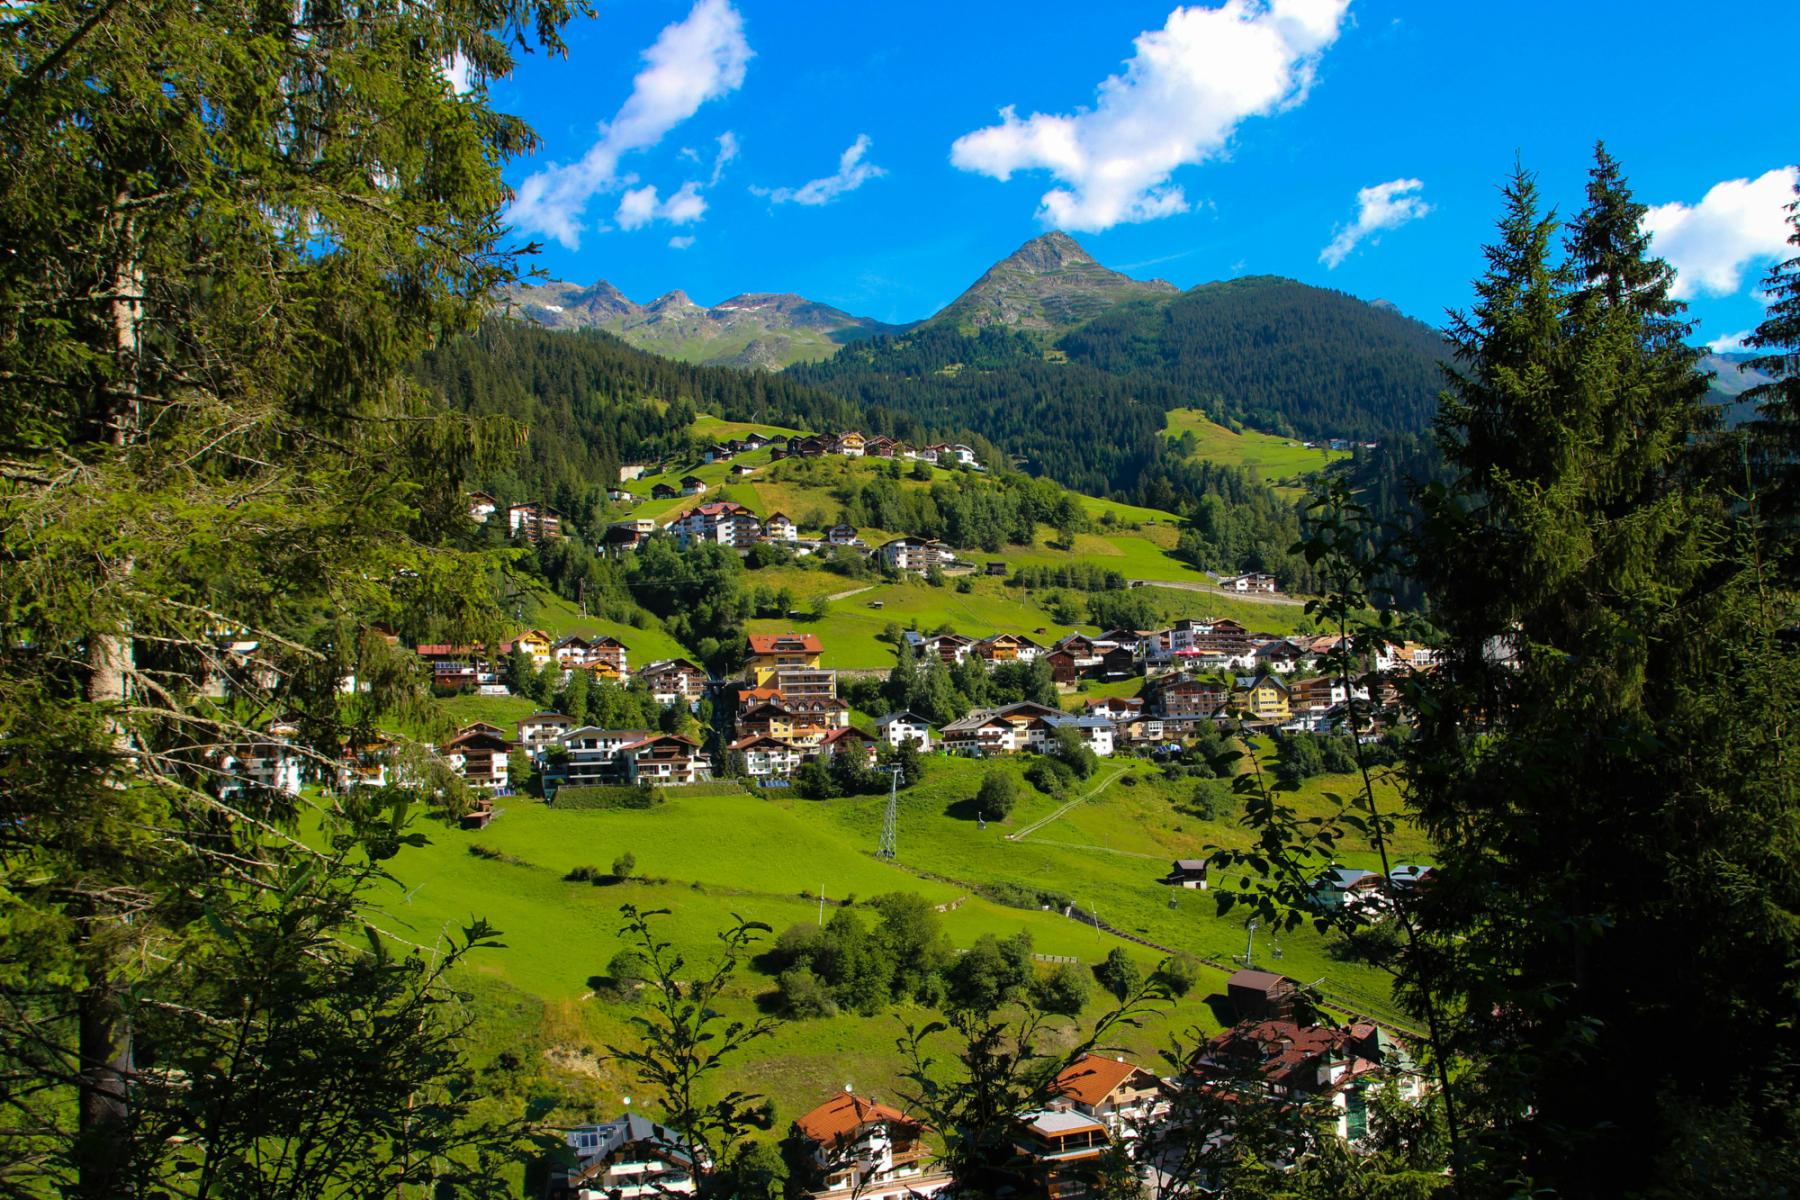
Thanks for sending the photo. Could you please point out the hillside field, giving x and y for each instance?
(710, 860)
(1281, 461)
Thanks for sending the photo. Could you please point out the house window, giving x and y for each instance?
(1356, 1115)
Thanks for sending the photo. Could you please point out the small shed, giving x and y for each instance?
(996, 568)
(1187, 873)
(1261, 995)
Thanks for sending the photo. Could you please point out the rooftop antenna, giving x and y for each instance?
(890, 823)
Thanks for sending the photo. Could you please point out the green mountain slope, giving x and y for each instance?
(757, 329)
(1050, 283)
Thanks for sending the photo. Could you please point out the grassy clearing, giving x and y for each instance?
(1276, 459)
(852, 630)
(715, 428)
(558, 618)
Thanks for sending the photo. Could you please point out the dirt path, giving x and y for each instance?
(852, 592)
(1019, 835)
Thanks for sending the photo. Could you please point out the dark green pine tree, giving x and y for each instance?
(1775, 434)
(1599, 758)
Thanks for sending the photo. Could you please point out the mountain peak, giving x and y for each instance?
(1050, 252)
(676, 299)
(1048, 283)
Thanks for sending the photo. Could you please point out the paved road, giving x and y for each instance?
(1190, 585)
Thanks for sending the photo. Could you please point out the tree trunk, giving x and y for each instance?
(103, 1148)
(104, 1144)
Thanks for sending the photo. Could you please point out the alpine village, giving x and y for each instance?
(465, 733)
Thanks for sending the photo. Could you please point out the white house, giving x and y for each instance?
(897, 728)
(541, 730)
(868, 1151)
(625, 1159)
(1254, 581)
(915, 554)
(779, 528)
(768, 757)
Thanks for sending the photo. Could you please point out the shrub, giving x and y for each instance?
(1064, 990)
(1213, 800)
(585, 875)
(1050, 776)
(624, 865)
(1118, 974)
(804, 994)
(1015, 895)
(628, 968)
(998, 794)
(606, 797)
(1179, 974)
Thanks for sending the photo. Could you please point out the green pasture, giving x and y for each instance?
(1276, 459)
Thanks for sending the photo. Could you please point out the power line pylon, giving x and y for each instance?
(890, 824)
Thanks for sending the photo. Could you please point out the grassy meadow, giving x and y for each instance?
(1279, 460)
(710, 860)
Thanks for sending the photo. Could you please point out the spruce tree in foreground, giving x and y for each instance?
(226, 232)
(1775, 434)
(1602, 758)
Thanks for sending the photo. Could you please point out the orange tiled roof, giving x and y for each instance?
(1092, 1078)
(776, 643)
(845, 1113)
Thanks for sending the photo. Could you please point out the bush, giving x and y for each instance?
(1050, 776)
(606, 797)
(1065, 990)
(1213, 800)
(1179, 974)
(804, 994)
(1015, 895)
(1118, 974)
(585, 875)
(628, 968)
(998, 795)
(624, 865)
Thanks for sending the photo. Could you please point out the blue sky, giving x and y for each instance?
(879, 157)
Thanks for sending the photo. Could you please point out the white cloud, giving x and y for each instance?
(699, 58)
(1730, 343)
(680, 243)
(852, 173)
(728, 150)
(1380, 206)
(1737, 224)
(458, 72)
(640, 206)
(1177, 103)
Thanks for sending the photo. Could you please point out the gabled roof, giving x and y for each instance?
(541, 717)
(841, 1116)
(911, 718)
(786, 643)
(761, 739)
(1091, 1078)
(663, 665)
(1343, 877)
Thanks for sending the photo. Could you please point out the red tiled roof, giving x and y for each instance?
(1092, 1078)
(843, 1114)
(777, 643)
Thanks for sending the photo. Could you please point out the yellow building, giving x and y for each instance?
(1264, 697)
(772, 652)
